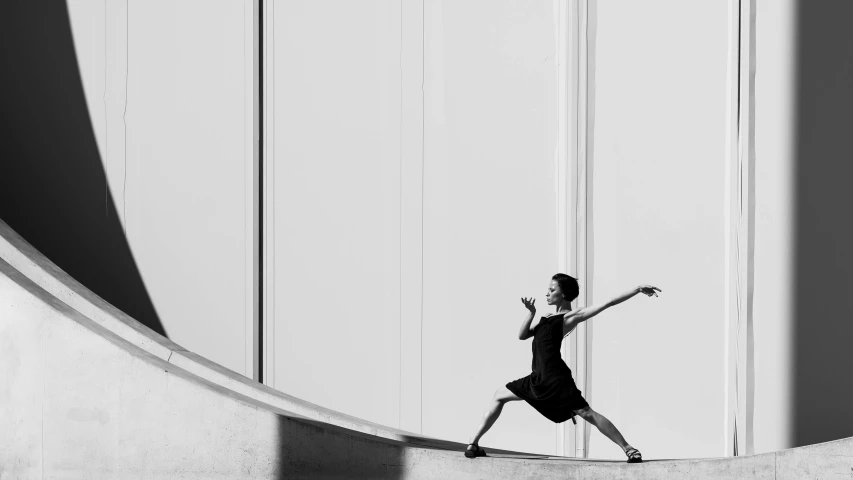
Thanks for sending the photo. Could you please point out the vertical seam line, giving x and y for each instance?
(423, 183)
(106, 125)
(124, 114)
(246, 368)
(400, 250)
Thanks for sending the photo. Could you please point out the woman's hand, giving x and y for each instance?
(529, 303)
(648, 290)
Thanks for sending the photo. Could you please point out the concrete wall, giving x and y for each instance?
(170, 93)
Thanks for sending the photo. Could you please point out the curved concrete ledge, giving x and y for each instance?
(79, 401)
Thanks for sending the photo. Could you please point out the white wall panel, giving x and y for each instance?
(659, 204)
(490, 235)
(337, 205)
(170, 92)
(774, 245)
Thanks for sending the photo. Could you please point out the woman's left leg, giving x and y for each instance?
(502, 396)
(605, 426)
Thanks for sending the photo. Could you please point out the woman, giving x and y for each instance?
(550, 389)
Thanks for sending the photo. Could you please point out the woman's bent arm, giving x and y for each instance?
(525, 332)
(527, 326)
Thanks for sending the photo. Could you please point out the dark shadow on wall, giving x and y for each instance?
(312, 449)
(823, 277)
(52, 183)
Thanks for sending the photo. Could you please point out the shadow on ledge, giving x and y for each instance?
(53, 188)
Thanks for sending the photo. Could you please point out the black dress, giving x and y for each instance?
(550, 389)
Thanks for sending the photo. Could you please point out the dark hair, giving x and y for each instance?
(568, 285)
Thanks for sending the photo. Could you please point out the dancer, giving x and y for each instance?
(550, 388)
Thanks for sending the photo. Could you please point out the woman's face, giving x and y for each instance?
(554, 295)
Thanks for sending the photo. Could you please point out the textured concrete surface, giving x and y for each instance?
(79, 400)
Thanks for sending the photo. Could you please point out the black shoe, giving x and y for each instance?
(634, 455)
(474, 451)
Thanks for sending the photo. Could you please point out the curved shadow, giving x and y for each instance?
(53, 188)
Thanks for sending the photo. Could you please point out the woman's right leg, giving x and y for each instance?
(605, 426)
(502, 396)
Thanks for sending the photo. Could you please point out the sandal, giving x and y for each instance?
(475, 451)
(634, 455)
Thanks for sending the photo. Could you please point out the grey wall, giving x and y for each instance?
(823, 273)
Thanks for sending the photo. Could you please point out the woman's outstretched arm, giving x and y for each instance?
(584, 314)
(527, 326)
